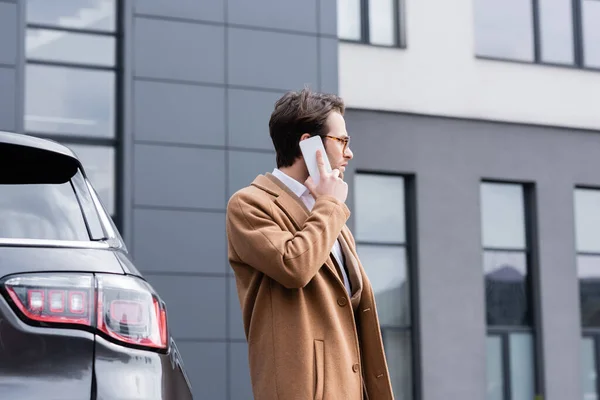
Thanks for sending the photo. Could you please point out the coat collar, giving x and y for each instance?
(297, 212)
(284, 198)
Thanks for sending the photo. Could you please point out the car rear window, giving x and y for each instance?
(43, 196)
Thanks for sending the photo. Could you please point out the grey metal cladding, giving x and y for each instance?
(172, 176)
(272, 60)
(193, 9)
(175, 50)
(276, 14)
(178, 113)
(196, 238)
(249, 113)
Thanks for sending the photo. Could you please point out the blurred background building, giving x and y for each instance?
(475, 188)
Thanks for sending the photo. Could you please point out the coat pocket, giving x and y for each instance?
(319, 369)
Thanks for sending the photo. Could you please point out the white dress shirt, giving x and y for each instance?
(309, 201)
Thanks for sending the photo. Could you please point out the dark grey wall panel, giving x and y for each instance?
(194, 9)
(328, 63)
(278, 14)
(245, 166)
(250, 111)
(179, 177)
(206, 365)
(272, 60)
(179, 50)
(8, 33)
(328, 17)
(199, 304)
(195, 241)
(450, 157)
(241, 388)
(236, 324)
(7, 99)
(178, 113)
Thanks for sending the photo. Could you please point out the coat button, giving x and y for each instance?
(355, 368)
(342, 301)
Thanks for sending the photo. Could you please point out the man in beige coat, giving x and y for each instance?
(308, 308)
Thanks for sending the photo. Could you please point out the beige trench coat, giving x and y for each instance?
(307, 338)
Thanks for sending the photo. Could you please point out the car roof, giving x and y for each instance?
(20, 139)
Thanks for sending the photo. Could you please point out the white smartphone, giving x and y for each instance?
(309, 149)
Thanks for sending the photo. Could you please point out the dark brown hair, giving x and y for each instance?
(295, 114)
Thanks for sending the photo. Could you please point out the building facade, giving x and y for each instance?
(475, 186)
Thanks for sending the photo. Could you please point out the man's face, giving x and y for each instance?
(338, 153)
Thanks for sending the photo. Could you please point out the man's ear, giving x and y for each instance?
(304, 136)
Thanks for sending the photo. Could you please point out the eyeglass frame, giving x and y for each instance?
(345, 140)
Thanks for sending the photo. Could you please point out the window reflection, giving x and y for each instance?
(589, 378)
(494, 370)
(506, 289)
(380, 208)
(589, 290)
(382, 22)
(591, 33)
(398, 351)
(556, 30)
(88, 14)
(348, 22)
(521, 366)
(493, 39)
(41, 211)
(503, 216)
(66, 101)
(587, 220)
(99, 165)
(51, 45)
(386, 268)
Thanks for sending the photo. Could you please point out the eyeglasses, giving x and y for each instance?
(344, 140)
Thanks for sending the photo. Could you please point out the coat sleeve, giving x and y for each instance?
(290, 259)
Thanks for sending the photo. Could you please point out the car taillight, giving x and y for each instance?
(123, 308)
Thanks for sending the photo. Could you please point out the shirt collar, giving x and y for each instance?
(296, 187)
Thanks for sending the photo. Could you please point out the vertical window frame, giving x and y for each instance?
(118, 99)
(587, 332)
(412, 277)
(531, 252)
(365, 24)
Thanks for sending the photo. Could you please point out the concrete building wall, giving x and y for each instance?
(201, 79)
(449, 158)
(439, 74)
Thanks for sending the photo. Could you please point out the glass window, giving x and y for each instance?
(99, 165)
(386, 268)
(53, 45)
(506, 289)
(504, 29)
(588, 271)
(348, 22)
(380, 201)
(503, 216)
(66, 101)
(591, 33)
(589, 378)
(398, 347)
(382, 24)
(556, 29)
(587, 220)
(37, 199)
(89, 14)
(494, 369)
(521, 366)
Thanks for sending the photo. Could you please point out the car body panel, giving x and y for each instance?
(43, 363)
(15, 260)
(131, 374)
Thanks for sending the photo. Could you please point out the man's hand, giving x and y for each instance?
(330, 184)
